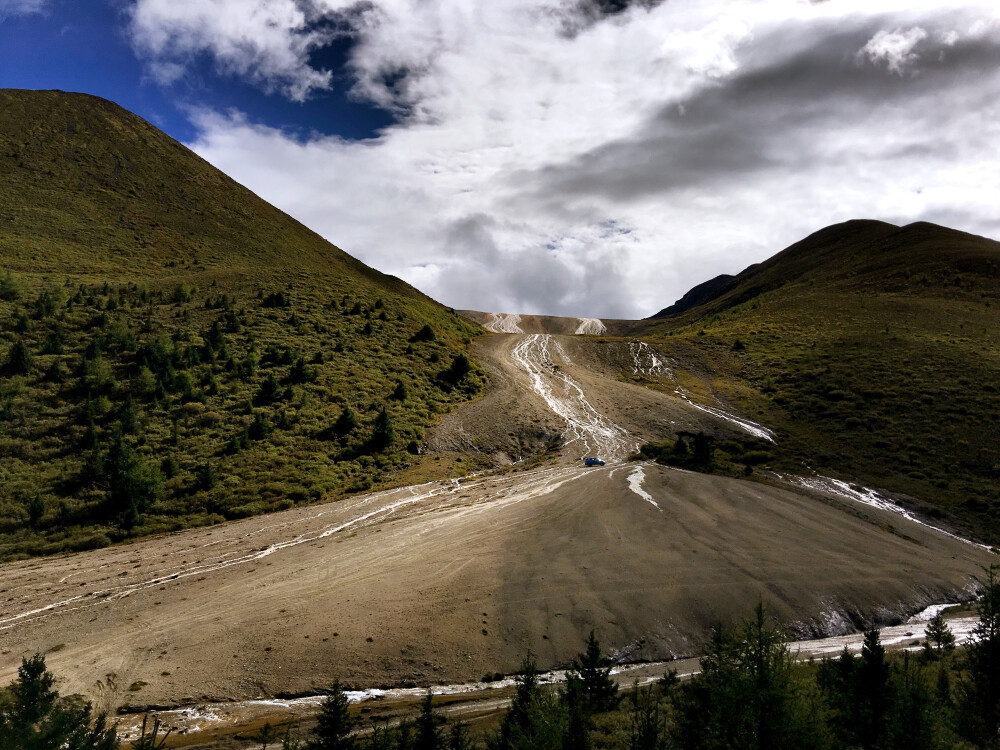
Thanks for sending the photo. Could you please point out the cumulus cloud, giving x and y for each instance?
(896, 49)
(265, 41)
(600, 159)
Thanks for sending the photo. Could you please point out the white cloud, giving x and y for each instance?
(265, 41)
(893, 48)
(605, 171)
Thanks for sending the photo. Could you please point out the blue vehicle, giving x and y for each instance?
(593, 462)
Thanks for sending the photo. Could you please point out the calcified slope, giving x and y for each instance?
(446, 581)
(514, 323)
(873, 351)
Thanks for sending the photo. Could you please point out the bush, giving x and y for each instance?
(19, 360)
(10, 288)
(424, 334)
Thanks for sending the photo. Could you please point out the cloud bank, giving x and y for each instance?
(599, 158)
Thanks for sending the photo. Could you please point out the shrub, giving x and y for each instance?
(424, 334)
(19, 360)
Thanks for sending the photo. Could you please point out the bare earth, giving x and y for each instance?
(446, 581)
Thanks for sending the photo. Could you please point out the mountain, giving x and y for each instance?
(175, 351)
(873, 351)
(700, 294)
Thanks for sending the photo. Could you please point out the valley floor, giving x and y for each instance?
(443, 582)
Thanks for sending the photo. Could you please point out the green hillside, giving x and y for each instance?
(175, 351)
(874, 352)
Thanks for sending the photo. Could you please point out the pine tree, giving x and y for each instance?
(424, 334)
(128, 417)
(517, 722)
(268, 392)
(872, 691)
(383, 434)
(458, 739)
(267, 735)
(335, 723)
(399, 392)
(836, 680)
(19, 360)
(980, 697)
(428, 735)
(577, 736)
(939, 634)
(600, 692)
(747, 695)
(346, 423)
(646, 720)
(34, 717)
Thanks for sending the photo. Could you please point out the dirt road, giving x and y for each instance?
(447, 581)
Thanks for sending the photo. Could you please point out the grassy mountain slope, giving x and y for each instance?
(874, 351)
(176, 351)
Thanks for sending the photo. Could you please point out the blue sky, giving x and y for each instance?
(567, 157)
(85, 45)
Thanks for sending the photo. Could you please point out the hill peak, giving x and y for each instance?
(859, 252)
(89, 187)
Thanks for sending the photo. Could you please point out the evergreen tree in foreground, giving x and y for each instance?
(980, 697)
(872, 691)
(535, 719)
(335, 724)
(748, 695)
(427, 726)
(34, 717)
(600, 692)
(939, 635)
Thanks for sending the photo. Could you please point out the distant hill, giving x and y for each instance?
(699, 295)
(859, 254)
(176, 351)
(873, 350)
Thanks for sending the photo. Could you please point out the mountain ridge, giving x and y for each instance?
(869, 349)
(839, 244)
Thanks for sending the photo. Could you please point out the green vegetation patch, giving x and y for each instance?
(880, 367)
(176, 352)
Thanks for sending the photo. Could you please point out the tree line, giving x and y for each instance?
(750, 694)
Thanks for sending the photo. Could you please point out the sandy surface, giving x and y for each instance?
(447, 581)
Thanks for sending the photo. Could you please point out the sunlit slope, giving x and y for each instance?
(88, 187)
(874, 351)
(146, 295)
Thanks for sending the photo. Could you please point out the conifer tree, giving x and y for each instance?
(383, 433)
(428, 734)
(980, 697)
(939, 634)
(517, 722)
(872, 691)
(346, 423)
(600, 692)
(19, 360)
(399, 392)
(646, 720)
(458, 738)
(34, 717)
(335, 723)
(747, 695)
